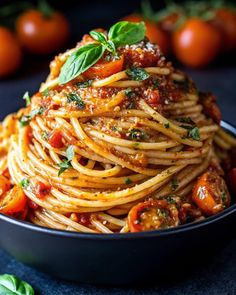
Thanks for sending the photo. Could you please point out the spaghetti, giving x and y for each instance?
(114, 153)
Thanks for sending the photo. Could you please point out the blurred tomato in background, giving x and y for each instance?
(195, 33)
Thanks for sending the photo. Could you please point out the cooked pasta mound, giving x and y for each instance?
(127, 145)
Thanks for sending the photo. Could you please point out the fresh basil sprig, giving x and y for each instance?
(11, 285)
(120, 34)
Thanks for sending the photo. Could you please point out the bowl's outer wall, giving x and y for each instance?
(118, 259)
(115, 261)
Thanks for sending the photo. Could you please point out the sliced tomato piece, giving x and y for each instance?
(4, 185)
(210, 193)
(104, 68)
(13, 201)
(152, 215)
(56, 139)
(42, 189)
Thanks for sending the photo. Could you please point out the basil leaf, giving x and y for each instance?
(11, 285)
(137, 74)
(79, 61)
(98, 36)
(110, 46)
(127, 33)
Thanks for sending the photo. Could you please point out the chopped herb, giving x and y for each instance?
(167, 125)
(73, 97)
(70, 153)
(137, 74)
(27, 98)
(128, 181)
(112, 56)
(45, 92)
(187, 127)
(136, 144)
(162, 212)
(137, 134)
(170, 199)
(131, 105)
(24, 183)
(223, 197)
(114, 128)
(84, 84)
(156, 83)
(184, 85)
(25, 119)
(66, 163)
(174, 184)
(194, 134)
(129, 93)
(187, 120)
(45, 135)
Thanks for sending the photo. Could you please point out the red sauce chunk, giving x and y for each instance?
(42, 189)
(56, 139)
(143, 54)
(210, 107)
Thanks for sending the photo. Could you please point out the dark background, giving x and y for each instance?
(218, 275)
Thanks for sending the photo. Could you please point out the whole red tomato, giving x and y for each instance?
(42, 34)
(196, 43)
(10, 53)
(225, 22)
(153, 32)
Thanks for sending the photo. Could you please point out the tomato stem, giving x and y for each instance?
(14, 8)
(45, 8)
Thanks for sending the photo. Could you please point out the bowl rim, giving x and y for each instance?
(127, 236)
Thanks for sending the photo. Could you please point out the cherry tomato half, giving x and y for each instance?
(13, 201)
(42, 34)
(10, 53)
(152, 215)
(105, 68)
(4, 185)
(153, 32)
(196, 43)
(210, 193)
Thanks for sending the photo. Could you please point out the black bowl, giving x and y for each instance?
(118, 258)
